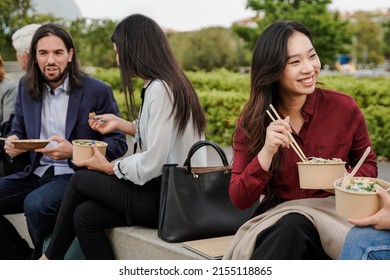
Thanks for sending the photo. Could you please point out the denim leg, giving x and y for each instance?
(366, 243)
(41, 207)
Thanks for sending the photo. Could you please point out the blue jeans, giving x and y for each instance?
(41, 207)
(39, 198)
(366, 243)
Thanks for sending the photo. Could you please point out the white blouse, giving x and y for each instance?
(161, 142)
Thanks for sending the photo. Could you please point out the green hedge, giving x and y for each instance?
(222, 109)
(366, 91)
(372, 95)
(378, 123)
(223, 94)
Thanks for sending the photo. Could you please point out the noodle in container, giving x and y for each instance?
(82, 149)
(359, 198)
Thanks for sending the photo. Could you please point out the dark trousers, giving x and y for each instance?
(40, 199)
(12, 246)
(293, 237)
(94, 202)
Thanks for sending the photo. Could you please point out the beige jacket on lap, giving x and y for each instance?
(320, 211)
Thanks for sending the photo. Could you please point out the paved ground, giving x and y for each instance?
(384, 171)
(383, 167)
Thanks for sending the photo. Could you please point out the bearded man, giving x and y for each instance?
(53, 102)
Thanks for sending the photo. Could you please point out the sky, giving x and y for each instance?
(188, 15)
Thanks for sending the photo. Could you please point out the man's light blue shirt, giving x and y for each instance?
(53, 123)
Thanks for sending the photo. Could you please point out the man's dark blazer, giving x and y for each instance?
(92, 96)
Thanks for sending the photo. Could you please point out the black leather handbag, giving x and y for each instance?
(195, 202)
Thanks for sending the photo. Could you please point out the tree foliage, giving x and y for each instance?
(14, 14)
(93, 41)
(91, 36)
(329, 31)
(386, 39)
(368, 46)
(208, 49)
(215, 47)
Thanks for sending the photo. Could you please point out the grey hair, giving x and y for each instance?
(22, 37)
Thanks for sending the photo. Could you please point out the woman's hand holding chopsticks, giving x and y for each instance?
(277, 135)
(294, 144)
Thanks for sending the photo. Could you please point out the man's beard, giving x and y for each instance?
(57, 78)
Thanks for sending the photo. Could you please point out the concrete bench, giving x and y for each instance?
(132, 243)
(139, 243)
(129, 243)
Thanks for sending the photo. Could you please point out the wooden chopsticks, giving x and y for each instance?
(294, 144)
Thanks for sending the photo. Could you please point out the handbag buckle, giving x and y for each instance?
(194, 175)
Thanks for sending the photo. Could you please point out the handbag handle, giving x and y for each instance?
(203, 143)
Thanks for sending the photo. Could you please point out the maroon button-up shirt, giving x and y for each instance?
(334, 128)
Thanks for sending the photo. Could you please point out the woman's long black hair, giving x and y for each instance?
(144, 51)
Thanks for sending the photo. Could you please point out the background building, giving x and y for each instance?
(67, 9)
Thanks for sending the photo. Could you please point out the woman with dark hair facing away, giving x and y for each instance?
(127, 192)
(292, 223)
